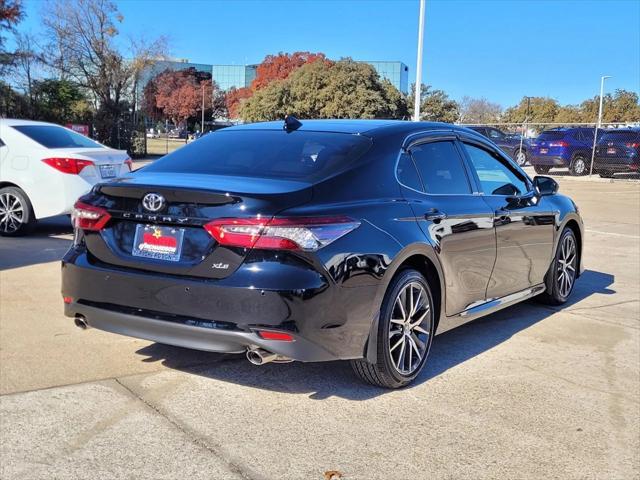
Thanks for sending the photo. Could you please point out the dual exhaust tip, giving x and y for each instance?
(257, 356)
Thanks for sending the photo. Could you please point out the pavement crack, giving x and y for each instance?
(195, 437)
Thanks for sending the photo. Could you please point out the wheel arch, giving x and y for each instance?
(423, 259)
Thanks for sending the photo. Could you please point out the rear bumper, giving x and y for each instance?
(617, 164)
(328, 322)
(548, 160)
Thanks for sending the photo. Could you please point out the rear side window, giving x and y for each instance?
(407, 173)
(1, 143)
(299, 155)
(496, 178)
(441, 169)
(51, 136)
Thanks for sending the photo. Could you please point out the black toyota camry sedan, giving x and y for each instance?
(320, 240)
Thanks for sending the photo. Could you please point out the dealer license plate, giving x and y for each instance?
(158, 242)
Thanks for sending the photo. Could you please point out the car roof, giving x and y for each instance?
(11, 122)
(365, 127)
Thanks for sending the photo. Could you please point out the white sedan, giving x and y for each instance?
(44, 168)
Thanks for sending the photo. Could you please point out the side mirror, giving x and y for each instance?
(546, 185)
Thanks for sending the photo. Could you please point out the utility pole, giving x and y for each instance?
(599, 124)
(416, 104)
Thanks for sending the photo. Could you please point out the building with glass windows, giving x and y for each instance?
(238, 76)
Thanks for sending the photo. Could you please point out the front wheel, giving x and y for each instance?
(16, 213)
(578, 166)
(405, 331)
(562, 274)
(542, 169)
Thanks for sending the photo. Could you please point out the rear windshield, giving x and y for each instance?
(51, 136)
(304, 156)
(620, 136)
(552, 135)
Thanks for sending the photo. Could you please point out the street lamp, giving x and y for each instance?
(416, 102)
(599, 124)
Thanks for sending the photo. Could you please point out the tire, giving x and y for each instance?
(542, 169)
(605, 174)
(562, 274)
(402, 344)
(579, 166)
(16, 213)
(520, 157)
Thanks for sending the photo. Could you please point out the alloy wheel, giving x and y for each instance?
(521, 158)
(579, 166)
(410, 328)
(566, 265)
(11, 213)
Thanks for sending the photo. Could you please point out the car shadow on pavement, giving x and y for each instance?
(49, 241)
(324, 380)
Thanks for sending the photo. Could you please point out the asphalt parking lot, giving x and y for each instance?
(529, 392)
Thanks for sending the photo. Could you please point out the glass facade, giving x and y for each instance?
(228, 76)
(396, 72)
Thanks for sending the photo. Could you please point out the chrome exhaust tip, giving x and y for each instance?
(258, 356)
(81, 322)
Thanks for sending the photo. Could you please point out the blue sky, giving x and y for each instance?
(501, 50)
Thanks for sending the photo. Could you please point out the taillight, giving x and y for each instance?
(88, 217)
(632, 145)
(72, 166)
(129, 163)
(279, 336)
(558, 144)
(302, 233)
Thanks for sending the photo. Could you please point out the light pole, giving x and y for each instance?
(202, 124)
(595, 132)
(524, 127)
(416, 103)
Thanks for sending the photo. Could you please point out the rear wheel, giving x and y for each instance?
(542, 168)
(563, 271)
(16, 213)
(405, 331)
(578, 166)
(520, 156)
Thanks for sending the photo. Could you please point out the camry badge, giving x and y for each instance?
(153, 202)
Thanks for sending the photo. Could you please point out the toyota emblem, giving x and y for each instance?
(153, 202)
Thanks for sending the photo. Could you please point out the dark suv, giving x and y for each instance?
(618, 151)
(513, 145)
(563, 147)
(322, 240)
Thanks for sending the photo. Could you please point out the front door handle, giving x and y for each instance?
(435, 215)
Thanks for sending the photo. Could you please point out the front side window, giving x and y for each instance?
(441, 169)
(52, 136)
(495, 177)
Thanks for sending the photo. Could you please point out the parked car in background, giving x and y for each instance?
(618, 151)
(177, 133)
(563, 147)
(44, 168)
(323, 240)
(509, 143)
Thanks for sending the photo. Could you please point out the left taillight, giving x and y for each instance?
(89, 217)
(304, 233)
(72, 166)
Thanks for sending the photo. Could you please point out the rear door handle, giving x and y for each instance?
(435, 215)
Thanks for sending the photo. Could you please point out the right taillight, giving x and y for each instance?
(89, 217)
(72, 166)
(558, 144)
(303, 233)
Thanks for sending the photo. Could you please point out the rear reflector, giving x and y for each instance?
(72, 166)
(303, 233)
(67, 300)
(88, 217)
(280, 336)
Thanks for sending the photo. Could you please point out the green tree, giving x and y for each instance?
(60, 101)
(435, 105)
(622, 106)
(343, 89)
(541, 110)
